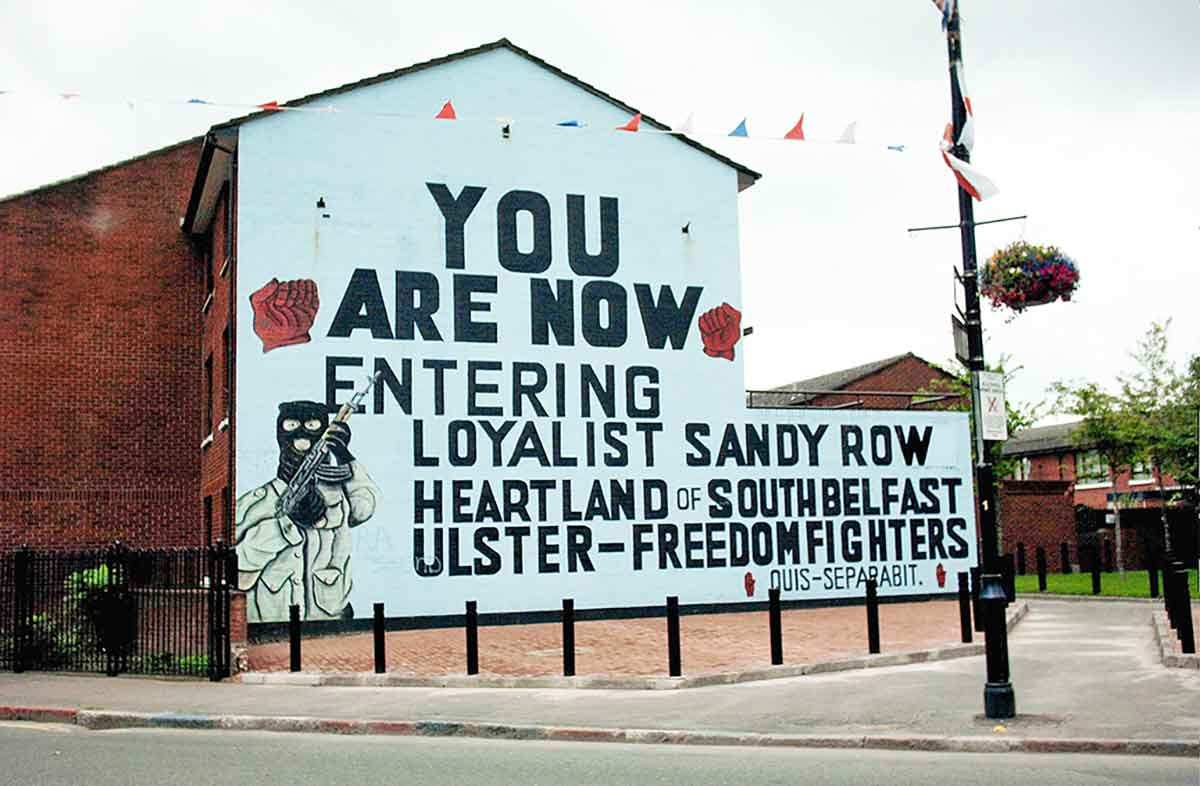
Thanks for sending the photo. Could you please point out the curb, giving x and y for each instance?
(1165, 639)
(1102, 598)
(100, 720)
(358, 679)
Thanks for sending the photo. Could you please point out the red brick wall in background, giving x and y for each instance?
(1037, 513)
(907, 374)
(100, 297)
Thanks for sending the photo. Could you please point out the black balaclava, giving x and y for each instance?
(313, 418)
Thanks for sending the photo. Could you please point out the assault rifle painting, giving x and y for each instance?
(293, 532)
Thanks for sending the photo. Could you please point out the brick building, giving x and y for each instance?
(101, 304)
(1054, 456)
(120, 306)
(1054, 453)
(899, 382)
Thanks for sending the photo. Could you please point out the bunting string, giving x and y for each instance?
(796, 133)
(979, 186)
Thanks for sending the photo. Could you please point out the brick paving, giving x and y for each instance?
(638, 647)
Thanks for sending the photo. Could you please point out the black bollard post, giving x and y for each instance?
(998, 698)
(380, 652)
(976, 603)
(1041, 568)
(872, 618)
(1152, 574)
(1169, 590)
(294, 638)
(674, 665)
(775, 618)
(22, 601)
(1064, 552)
(1008, 569)
(964, 607)
(1183, 600)
(472, 637)
(568, 636)
(1095, 553)
(1108, 556)
(1021, 559)
(1177, 593)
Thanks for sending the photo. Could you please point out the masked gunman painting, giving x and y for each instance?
(293, 532)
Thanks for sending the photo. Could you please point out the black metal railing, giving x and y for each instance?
(117, 610)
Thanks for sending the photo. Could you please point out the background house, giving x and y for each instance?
(899, 382)
(1053, 457)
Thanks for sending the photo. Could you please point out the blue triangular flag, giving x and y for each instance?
(197, 101)
(572, 124)
(740, 130)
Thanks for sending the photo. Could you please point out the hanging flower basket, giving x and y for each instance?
(1022, 275)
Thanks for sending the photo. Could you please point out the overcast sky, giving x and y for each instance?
(1088, 117)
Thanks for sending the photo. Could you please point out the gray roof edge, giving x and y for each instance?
(1054, 438)
(502, 43)
(836, 380)
(100, 169)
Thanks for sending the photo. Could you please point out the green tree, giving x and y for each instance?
(1108, 429)
(1153, 419)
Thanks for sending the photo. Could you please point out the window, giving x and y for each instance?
(227, 379)
(1023, 469)
(1090, 468)
(208, 522)
(1141, 472)
(208, 396)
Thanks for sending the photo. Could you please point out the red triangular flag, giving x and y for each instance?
(270, 106)
(633, 123)
(797, 131)
(447, 112)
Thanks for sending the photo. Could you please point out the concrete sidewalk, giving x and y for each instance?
(1082, 672)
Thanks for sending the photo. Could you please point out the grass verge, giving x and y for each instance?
(1135, 584)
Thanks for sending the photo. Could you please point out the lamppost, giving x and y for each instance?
(999, 701)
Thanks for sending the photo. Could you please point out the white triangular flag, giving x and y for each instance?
(847, 137)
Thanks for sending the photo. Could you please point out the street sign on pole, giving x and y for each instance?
(961, 344)
(993, 418)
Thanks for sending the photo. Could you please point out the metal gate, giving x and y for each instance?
(117, 610)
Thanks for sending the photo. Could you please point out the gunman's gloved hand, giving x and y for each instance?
(310, 509)
(338, 437)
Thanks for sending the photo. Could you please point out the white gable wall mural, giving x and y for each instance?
(558, 401)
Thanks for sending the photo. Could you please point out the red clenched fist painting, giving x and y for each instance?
(748, 582)
(940, 573)
(721, 328)
(284, 312)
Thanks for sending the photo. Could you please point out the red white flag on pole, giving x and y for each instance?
(966, 137)
(971, 179)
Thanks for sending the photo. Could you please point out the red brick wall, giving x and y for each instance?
(215, 476)
(1037, 513)
(100, 297)
(908, 374)
(1061, 466)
